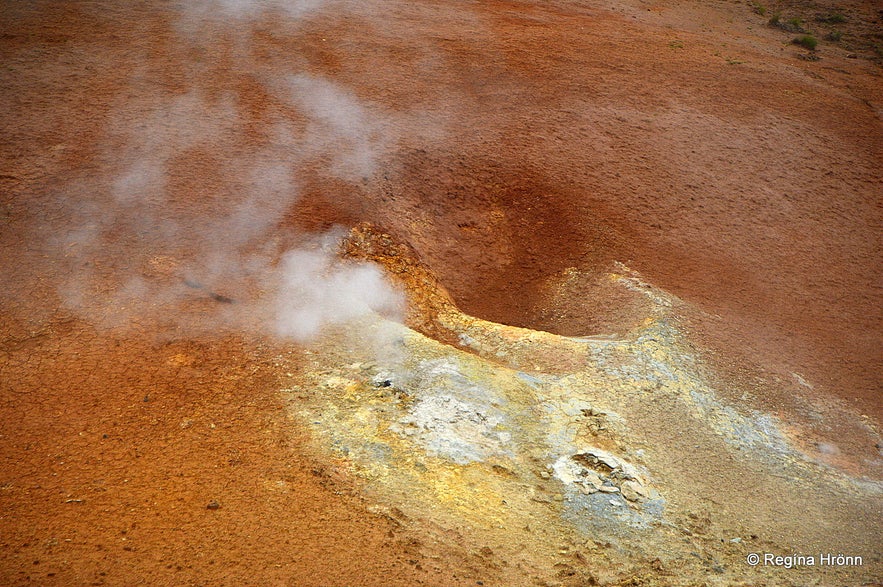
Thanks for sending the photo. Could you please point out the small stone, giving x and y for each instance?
(630, 494)
(558, 497)
(608, 489)
(634, 491)
(382, 380)
(213, 505)
(593, 480)
(545, 475)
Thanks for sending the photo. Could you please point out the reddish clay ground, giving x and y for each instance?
(509, 142)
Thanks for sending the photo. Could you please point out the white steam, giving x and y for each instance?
(339, 127)
(251, 9)
(317, 291)
(189, 212)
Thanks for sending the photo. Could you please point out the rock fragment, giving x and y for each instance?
(634, 491)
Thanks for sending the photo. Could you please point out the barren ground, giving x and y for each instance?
(511, 145)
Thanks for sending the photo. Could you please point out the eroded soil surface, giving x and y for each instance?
(540, 161)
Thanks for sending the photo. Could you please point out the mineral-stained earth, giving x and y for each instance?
(353, 293)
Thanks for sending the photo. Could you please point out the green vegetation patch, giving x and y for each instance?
(807, 41)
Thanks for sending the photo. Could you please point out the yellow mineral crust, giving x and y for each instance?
(541, 444)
